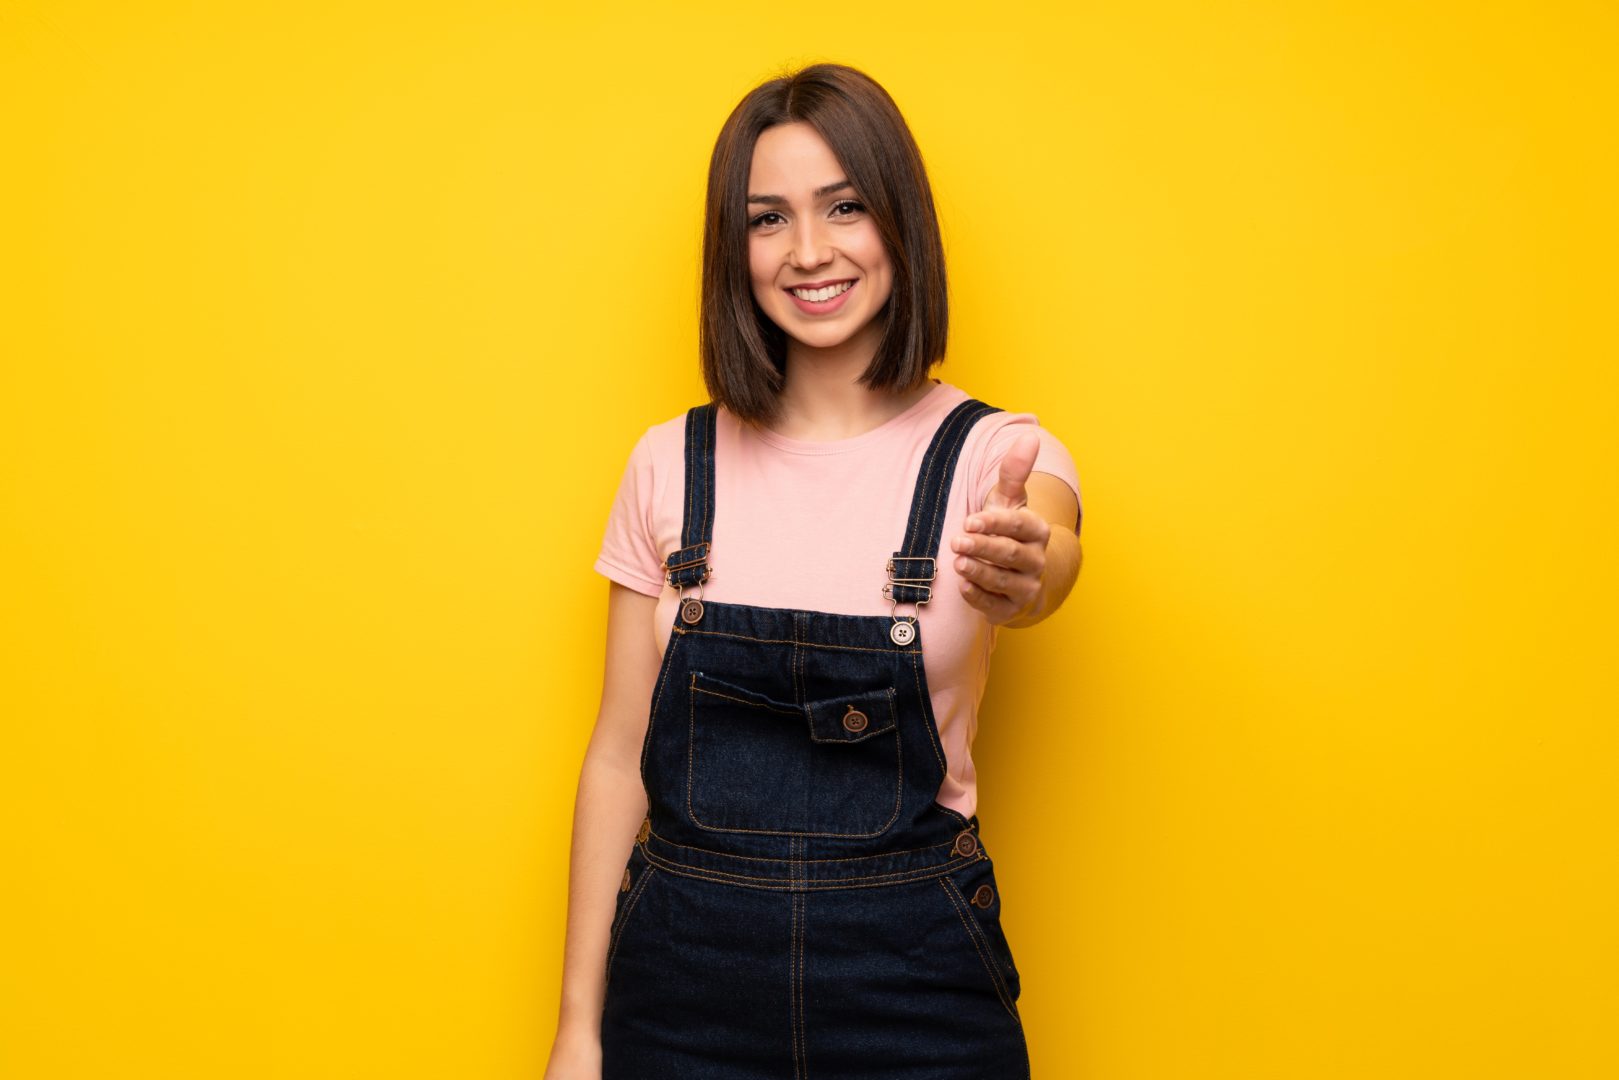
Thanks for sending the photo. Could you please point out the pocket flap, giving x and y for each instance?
(851, 718)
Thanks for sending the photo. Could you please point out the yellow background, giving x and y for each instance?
(327, 328)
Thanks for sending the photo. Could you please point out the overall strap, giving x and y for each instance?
(689, 564)
(912, 567)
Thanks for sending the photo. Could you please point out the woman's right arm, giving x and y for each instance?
(608, 809)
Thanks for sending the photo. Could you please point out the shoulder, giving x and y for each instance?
(660, 444)
(666, 436)
(994, 435)
(991, 434)
(655, 462)
(996, 431)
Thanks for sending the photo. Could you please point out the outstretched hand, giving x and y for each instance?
(1002, 556)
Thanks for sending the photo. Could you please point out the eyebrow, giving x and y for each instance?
(777, 200)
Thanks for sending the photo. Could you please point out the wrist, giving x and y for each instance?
(1055, 578)
(1035, 612)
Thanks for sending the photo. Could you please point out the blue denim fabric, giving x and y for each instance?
(797, 902)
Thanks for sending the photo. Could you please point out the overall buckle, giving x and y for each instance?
(678, 574)
(909, 579)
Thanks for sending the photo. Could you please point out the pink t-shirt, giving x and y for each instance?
(811, 525)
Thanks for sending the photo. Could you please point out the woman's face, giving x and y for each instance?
(808, 226)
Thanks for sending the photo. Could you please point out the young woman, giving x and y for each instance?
(777, 866)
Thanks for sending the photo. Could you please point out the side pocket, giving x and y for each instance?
(980, 919)
(639, 873)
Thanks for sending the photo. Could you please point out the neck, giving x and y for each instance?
(822, 399)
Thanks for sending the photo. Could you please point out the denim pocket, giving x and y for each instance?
(976, 898)
(639, 873)
(756, 764)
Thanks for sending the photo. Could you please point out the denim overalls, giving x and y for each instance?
(797, 903)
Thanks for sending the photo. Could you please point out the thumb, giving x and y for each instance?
(1009, 490)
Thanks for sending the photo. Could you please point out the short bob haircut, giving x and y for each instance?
(744, 354)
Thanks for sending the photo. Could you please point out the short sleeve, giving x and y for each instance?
(1053, 457)
(629, 554)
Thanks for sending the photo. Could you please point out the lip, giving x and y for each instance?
(823, 307)
(817, 284)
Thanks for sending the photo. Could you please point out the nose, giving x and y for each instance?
(809, 246)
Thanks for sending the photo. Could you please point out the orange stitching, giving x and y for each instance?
(766, 858)
(629, 906)
(708, 477)
(924, 696)
(893, 720)
(899, 782)
(925, 480)
(810, 644)
(955, 453)
(797, 666)
(652, 718)
(963, 414)
(897, 877)
(691, 748)
(795, 970)
(691, 429)
(741, 701)
(899, 795)
(691, 781)
(803, 1049)
(792, 981)
(974, 932)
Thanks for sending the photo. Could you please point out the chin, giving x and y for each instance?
(824, 340)
(823, 334)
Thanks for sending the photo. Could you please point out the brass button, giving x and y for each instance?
(854, 720)
(966, 843)
(691, 609)
(624, 886)
(984, 897)
(644, 832)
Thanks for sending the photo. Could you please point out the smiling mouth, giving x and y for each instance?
(825, 292)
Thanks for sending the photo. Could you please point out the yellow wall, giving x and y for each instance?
(326, 330)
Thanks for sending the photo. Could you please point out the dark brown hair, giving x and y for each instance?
(744, 353)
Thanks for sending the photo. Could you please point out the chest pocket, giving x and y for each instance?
(756, 764)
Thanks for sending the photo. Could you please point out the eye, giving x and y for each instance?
(760, 220)
(858, 207)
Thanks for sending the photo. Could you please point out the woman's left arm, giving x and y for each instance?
(1020, 557)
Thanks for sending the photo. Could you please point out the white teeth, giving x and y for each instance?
(823, 294)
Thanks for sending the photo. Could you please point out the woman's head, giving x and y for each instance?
(789, 140)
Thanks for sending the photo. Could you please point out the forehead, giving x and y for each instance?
(792, 159)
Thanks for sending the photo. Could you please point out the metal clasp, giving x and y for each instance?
(903, 632)
(699, 556)
(691, 607)
(914, 582)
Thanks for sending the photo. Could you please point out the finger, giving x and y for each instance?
(988, 603)
(998, 550)
(996, 608)
(1010, 486)
(1019, 523)
(1014, 585)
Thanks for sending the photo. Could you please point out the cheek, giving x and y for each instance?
(874, 257)
(758, 259)
(759, 271)
(882, 271)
